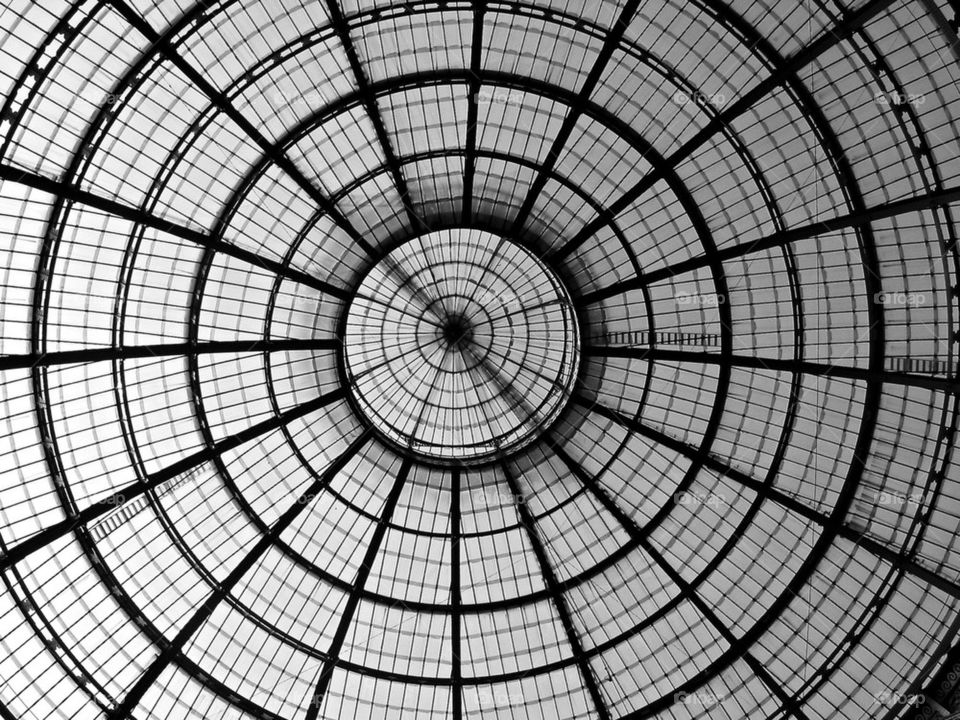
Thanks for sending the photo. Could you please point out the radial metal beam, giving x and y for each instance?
(823, 369)
(456, 76)
(947, 29)
(353, 600)
(160, 350)
(642, 540)
(500, 156)
(456, 600)
(124, 709)
(781, 75)
(836, 156)
(112, 207)
(369, 100)
(614, 36)
(473, 92)
(556, 595)
(788, 702)
(342, 29)
(92, 512)
(780, 239)
(939, 686)
(162, 44)
(904, 561)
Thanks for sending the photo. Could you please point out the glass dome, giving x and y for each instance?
(445, 359)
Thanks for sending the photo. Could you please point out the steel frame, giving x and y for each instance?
(785, 73)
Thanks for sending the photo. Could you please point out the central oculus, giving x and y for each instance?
(460, 346)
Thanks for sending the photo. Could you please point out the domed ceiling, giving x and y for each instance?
(554, 359)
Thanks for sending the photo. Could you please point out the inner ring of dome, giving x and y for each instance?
(461, 346)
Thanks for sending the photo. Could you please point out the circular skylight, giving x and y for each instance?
(461, 346)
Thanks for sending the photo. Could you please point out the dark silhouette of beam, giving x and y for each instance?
(353, 600)
(781, 75)
(556, 595)
(937, 688)
(614, 36)
(90, 513)
(641, 539)
(131, 352)
(781, 239)
(456, 600)
(124, 709)
(135, 215)
(473, 91)
(161, 44)
(902, 560)
(947, 29)
(342, 29)
(806, 367)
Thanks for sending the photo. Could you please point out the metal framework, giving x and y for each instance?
(479, 358)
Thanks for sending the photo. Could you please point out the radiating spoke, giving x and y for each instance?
(559, 602)
(820, 368)
(164, 350)
(725, 119)
(592, 79)
(169, 653)
(129, 492)
(353, 600)
(198, 237)
(162, 44)
(779, 239)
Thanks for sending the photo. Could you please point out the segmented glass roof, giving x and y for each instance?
(529, 359)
